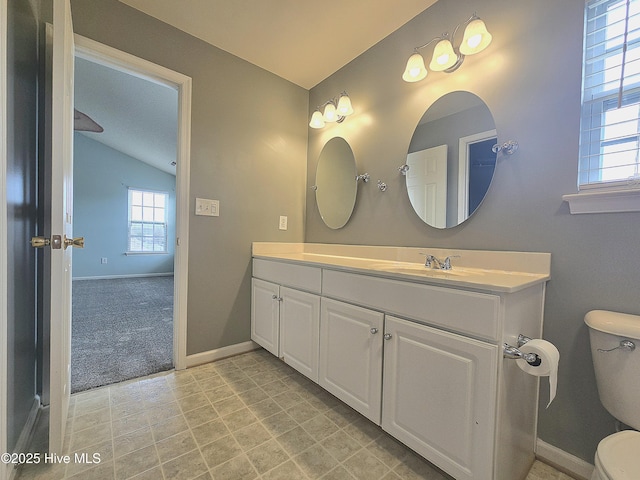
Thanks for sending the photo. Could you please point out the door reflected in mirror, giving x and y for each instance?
(336, 184)
(450, 159)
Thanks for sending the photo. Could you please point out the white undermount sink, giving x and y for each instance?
(419, 269)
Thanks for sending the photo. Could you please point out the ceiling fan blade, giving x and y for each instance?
(83, 123)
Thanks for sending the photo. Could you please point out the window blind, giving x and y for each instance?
(610, 133)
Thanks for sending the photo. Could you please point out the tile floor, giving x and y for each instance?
(241, 418)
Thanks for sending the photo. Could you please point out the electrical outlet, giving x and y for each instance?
(283, 222)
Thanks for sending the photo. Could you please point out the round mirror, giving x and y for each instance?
(336, 184)
(450, 160)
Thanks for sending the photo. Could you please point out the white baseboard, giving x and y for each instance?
(570, 464)
(132, 275)
(219, 353)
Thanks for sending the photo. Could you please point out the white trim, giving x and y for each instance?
(562, 460)
(604, 201)
(131, 275)
(220, 353)
(110, 57)
(463, 169)
(4, 469)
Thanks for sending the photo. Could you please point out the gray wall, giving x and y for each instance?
(101, 178)
(530, 77)
(248, 150)
(22, 155)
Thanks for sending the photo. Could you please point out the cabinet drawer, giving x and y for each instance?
(298, 276)
(472, 313)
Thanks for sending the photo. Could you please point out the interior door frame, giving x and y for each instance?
(463, 169)
(110, 57)
(4, 468)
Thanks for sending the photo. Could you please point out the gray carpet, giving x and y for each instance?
(121, 329)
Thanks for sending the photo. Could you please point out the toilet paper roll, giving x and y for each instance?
(549, 359)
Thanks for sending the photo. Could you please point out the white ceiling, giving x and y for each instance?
(303, 41)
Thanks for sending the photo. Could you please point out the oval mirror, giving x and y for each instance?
(450, 160)
(336, 184)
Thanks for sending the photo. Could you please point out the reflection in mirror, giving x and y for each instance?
(450, 160)
(336, 184)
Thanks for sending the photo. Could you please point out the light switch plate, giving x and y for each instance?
(207, 207)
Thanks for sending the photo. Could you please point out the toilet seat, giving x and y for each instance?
(617, 456)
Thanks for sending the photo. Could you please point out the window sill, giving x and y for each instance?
(604, 201)
(146, 253)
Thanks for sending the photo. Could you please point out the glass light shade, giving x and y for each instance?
(415, 70)
(443, 56)
(316, 120)
(330, 113)
(344, 105)
(476, 38)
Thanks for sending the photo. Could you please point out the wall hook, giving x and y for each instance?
(364, 177)
(382, 186)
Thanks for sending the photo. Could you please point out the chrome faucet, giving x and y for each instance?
(432, 261)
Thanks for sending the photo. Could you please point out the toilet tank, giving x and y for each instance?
(617, 368)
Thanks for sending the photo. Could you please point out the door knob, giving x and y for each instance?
(39, 242)
(73, 242)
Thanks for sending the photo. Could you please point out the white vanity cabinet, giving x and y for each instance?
(351, 355)
(286, 321)
(419, 355)
(439, 396)
(265, 315)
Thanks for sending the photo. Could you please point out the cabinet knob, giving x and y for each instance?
(276, 297)
(373, 330)
(387, 336)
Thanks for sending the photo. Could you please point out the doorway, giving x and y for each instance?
(124, 201)
(148, 259)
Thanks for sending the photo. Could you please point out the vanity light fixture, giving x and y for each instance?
(334, 110)
(445, 57)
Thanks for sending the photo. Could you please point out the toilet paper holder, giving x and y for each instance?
(513, 353)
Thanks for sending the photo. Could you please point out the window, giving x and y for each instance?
(610, 122)
(147, 221)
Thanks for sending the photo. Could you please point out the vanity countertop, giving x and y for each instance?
(492, 271)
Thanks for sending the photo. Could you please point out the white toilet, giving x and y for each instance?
(615, 348)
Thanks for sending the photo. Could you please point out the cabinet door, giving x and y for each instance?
(299, 330)
(265, 314)
(351, 356)
(439, 396)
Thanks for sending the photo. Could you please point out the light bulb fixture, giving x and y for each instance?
(333, 110)
(415, 70)
(316, 120)
(446, 57)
